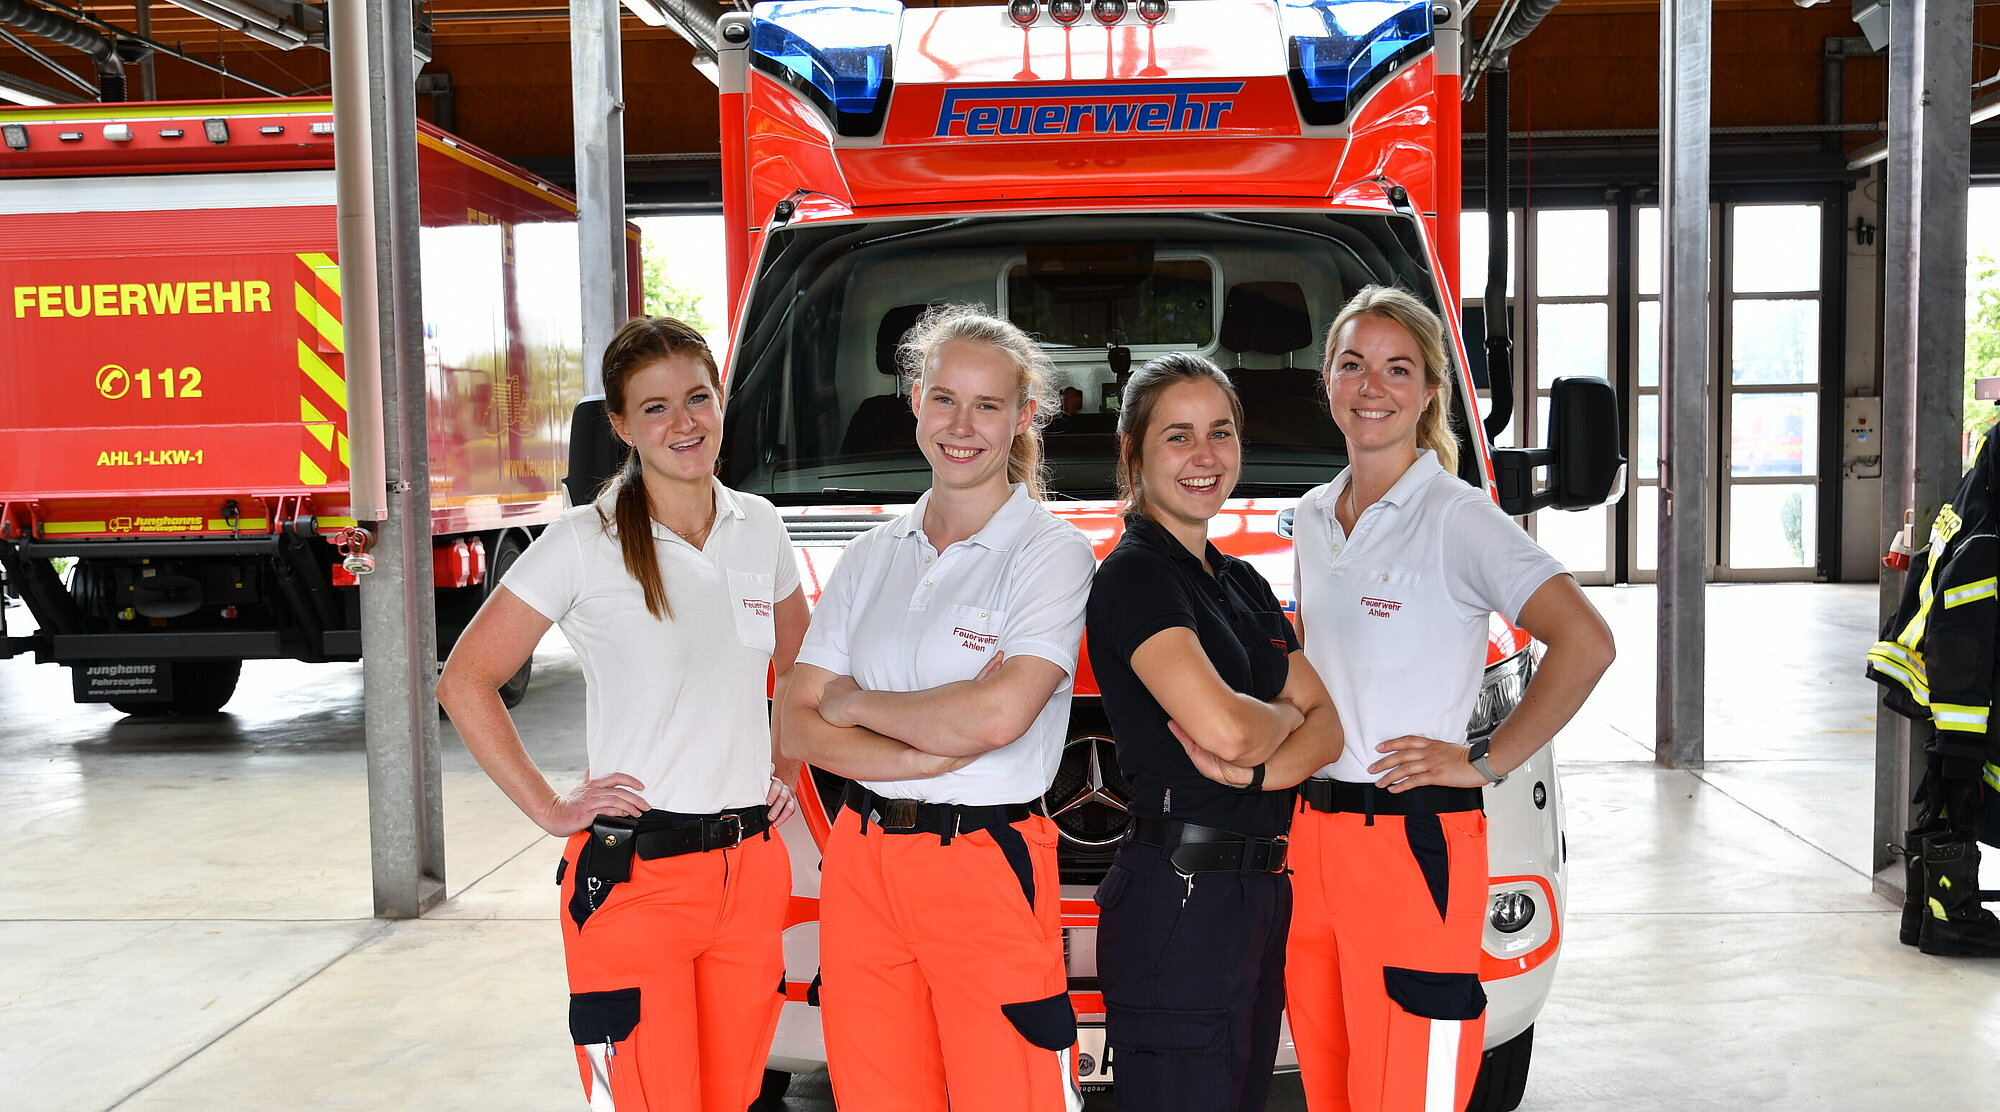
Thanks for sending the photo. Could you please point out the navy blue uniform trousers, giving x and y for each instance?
(1193, 973)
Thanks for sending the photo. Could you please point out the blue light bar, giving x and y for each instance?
(1340, 48)
(837, 55)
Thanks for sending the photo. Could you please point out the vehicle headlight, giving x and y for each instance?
(1500, 693)
(1511, 911)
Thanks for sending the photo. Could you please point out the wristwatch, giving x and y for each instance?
(1476, 756)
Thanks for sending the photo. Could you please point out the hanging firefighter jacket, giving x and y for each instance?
(1937, 655)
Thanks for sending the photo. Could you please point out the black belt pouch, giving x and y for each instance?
(608, 855)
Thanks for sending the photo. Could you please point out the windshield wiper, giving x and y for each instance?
(1270, 490)
(862, 496)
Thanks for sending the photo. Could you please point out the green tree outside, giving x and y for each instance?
(666, 298)
(1982, 347)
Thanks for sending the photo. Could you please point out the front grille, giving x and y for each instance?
(830, 530)
(1090, 823)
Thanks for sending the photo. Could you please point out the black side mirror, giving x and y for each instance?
(1584, 458)
(594, 451)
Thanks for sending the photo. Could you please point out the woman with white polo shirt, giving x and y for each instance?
(678, 595)
(936, 677)
(1399, 566)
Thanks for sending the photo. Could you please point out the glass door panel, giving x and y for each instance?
(1770, 395)
(1571, 334)
(1774, 434)
(1773, 526)
(1775, 342)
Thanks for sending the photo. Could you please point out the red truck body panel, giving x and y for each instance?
(174, 328)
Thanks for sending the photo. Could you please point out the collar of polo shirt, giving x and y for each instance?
(1422, 471)
(997, 535)
(725, 503)
(1158, 535)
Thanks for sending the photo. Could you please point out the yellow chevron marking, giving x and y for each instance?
(325, 269)
(317, 370)
(309, 472)
(343, 449)
(316, 315)
(316, 423)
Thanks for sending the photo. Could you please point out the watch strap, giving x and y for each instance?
(1476, 756)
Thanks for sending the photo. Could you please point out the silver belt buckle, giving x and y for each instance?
(896, 814)
(732, 824)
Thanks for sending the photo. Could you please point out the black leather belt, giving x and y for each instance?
(914, 816)
(1366, 799)
(1204, 849)
(679, 834)
(604, 861)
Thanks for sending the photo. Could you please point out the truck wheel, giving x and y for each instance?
(1503, 1075)
(508, 551)
(200, 687)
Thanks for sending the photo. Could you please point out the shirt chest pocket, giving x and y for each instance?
(960, 641)
(750, 600)
(1382, 593)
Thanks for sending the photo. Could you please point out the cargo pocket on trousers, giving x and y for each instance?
(1435, 995)
(1112, 888)
(1049, 1024)
(1179, 1053)
(601, 1025)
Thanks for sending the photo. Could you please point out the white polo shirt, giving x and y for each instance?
(898, 615)
(1396, 615)
(679, 703)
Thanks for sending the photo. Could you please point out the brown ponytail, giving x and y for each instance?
(642, 342)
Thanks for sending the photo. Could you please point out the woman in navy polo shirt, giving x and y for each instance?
(1186, 640)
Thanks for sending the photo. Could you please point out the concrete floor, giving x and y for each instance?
(186, 913)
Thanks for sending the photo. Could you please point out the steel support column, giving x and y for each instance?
(142, 13)
(1923, 334)
(1684, 371)
(376, 114)
(597, 82)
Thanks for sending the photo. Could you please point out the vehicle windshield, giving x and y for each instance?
(816, 414)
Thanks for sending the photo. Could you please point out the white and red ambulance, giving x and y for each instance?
(1122, 179)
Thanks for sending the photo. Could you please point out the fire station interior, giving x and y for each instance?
(190, 918)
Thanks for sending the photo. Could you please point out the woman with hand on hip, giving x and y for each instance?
(678, 595)
(1400, 566)
(1188, 642)
(936, 676)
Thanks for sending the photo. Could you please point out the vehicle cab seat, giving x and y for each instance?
(1282, 406)
(885, 422)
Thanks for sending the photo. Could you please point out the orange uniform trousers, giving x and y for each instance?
(677, 976)
(941, 966)
(1382, 967)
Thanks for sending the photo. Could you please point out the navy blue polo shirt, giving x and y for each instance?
(1151, 582)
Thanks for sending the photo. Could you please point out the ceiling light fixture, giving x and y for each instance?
(248, 19)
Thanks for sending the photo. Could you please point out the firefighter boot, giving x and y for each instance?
(1912, 853)
(1956, 926)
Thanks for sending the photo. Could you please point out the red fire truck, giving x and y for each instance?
(173, 408)
(1122, 178)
